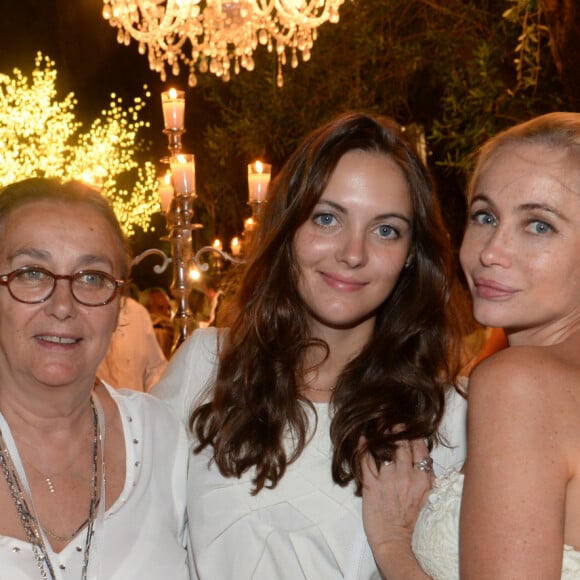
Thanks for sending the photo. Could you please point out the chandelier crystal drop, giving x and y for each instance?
(219, 36)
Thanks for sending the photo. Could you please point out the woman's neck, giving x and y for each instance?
(45, 411)
(322, 368)
(565, 330)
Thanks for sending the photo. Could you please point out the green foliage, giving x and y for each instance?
(509, 78)
(462, 69)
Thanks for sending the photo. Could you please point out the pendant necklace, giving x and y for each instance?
(48, 478)
(327, 390)
(15, 476)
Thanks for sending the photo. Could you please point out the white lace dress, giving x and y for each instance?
(436, 537)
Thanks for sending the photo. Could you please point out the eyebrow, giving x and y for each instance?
(524, 206)
(382, 216)
(542, 207)
(39, 254)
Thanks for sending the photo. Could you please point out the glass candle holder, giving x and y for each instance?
(236, 247)
(165, 191)
(183, 173)
(173, 103)
(258, 180)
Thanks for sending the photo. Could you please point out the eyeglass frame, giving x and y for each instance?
(5, 280)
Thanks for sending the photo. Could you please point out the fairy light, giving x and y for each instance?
(41, 136)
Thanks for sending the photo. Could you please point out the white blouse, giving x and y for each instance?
(307, 527)
(144, 535)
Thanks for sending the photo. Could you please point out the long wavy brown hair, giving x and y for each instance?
(401, 376)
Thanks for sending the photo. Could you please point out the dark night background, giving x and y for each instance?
(91, 64)
(88, 58)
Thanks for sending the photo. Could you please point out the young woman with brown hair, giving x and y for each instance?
(343, 335)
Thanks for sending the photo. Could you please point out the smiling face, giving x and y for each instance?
(59, 341)
(353, 247)
(522, 242)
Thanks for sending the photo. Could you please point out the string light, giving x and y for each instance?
(42, 137)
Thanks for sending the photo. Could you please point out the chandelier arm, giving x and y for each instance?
(151, 23)
(204, 266)
(311, 15)
(158, 268)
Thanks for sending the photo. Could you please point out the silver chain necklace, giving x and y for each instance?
(31, 524)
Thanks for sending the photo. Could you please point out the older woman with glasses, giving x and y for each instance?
(92, 480)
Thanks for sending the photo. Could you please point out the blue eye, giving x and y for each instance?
(484, 218)
(324, 219)
(93, 279)
(90, 279)
(386, 232)
(32, 275)
(540, 227)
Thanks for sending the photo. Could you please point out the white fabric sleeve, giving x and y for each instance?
(192, 368)
(453, 429)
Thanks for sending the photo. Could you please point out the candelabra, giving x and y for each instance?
(177, 194)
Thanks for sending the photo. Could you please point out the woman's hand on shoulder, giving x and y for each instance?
(393, 495)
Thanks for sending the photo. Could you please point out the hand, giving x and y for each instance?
(393, 496)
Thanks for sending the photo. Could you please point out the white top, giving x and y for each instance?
(134, 359)
(145, 531)
(436, 537)
(307, 527)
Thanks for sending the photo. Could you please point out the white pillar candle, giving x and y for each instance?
(249, 225)
(173, 103)
(258, 180)
(236, 247)
(165, 191)
(183, 173)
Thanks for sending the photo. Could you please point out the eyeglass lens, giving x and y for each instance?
(90, 287)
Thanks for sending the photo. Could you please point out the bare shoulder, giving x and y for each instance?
(528, 385)
(524, 446)
(525, 371)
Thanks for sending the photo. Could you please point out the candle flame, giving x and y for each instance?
(259, 167)
(235, 242)
(172, 94)
(167, 178)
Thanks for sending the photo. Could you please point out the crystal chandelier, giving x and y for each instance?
(219, 36)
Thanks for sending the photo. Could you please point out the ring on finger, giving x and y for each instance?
(425, 465)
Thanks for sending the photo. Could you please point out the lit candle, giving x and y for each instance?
(194, 274)
(236, 247)
(258, 180)
(217, 244)
(249, 225)
(183, 172)
(173, 103)
(165, 191)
